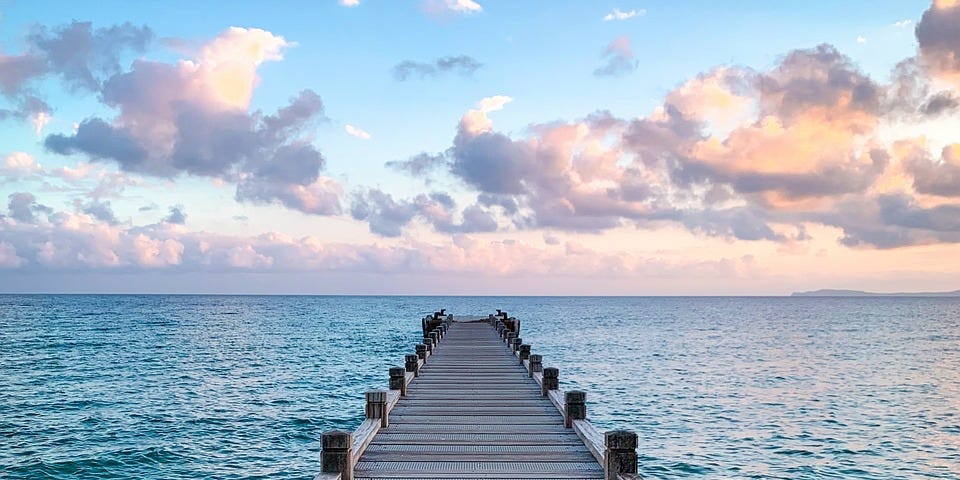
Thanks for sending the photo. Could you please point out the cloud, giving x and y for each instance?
(321, 197)
(935, 177)
(349, 3)
(388, 217)
(732, 153)
(102, 211)
(861, 39)
(39, 120)
(357, 132)
(84, 56)
(23, 207)
(462, 65)
(418, 165)
(192, 117)
(78, 242)
(442, 8)
(617, 14)
(81, 56)
(619, 59)
(476, 120)
(894, 221)
(19, 165)
(903, 23)
(939, 40)
(177, 216)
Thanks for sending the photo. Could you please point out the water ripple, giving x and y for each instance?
(223, 387)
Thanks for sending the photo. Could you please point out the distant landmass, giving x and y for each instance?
(859, 293)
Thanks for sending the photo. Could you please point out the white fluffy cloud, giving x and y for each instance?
(18, 165)
(618, 14)
(357, 132)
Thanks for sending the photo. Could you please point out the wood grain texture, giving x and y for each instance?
(475, 413)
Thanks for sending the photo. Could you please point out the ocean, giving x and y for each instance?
(240, 387)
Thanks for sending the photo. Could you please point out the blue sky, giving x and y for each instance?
(566, 202)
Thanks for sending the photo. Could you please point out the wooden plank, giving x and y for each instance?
(475, 412)
(591, 437)
(363, 435)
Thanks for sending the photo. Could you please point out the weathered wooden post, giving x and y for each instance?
(516, 344)
(336, 455)
(435, 337)
(551, 380)
(620, 454)
(536, 363)
(524, 352)
(397, 382)
(421, 350)
(575, 407)
(510, 337)
(377, 406)
(428, 342)
(410, 363)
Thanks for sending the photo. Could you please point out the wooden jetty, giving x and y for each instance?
(473, 402)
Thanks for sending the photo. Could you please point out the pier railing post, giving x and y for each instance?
(524, 352)
(410, 363)
(620, 455)
(421, 350)
(575, 407)
(397, 381)
(551, 380)
(336, 455)
(536, 363)
(377, 406)
(428, 342)
(435, 337)
(510, 337)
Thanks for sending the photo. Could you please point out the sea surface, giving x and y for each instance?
(240, 387)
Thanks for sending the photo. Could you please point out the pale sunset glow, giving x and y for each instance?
(506, 148)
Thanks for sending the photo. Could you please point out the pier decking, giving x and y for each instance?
(474, 403)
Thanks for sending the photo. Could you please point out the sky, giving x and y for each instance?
(479, 147)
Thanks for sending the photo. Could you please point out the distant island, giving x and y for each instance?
(859, 293)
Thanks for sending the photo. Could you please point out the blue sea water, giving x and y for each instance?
(240, 387)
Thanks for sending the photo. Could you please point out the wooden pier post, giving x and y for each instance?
(575, 407)
(536, 363)
(551, 380)
(438, 406)
(377, 406)
(397, 380)
(410, 362)
(336, 455)
(620, 455)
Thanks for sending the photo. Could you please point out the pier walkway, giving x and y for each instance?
(474, 403)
